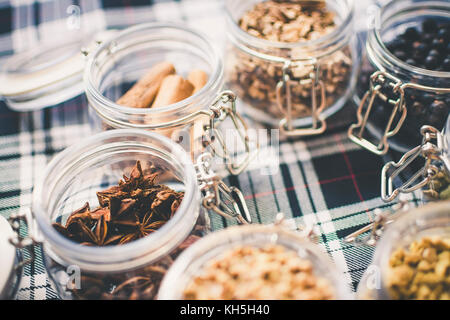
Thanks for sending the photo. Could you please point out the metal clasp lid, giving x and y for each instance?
(432, 149)
(378, 80)
(305, 231)
(376, 228)
(216, 194)
(318, 123)
(28, 242)
(222, 108)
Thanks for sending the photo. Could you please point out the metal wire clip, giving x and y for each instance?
(318, 123)
(376, 228)
(433, 149)
(380, 80)
(217, 195)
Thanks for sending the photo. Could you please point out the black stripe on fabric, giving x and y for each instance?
(290, 191)
(308, 190)
(10, 157)
(258, 216)
(48, 137)
(6, 20)
(37, 13)
(10, 193)
(272, 185)
(125, 3)
(9, 120)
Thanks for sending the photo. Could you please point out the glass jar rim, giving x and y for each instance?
(381, 51)
(317, 43)
(117, 258)
(92, 89)
(389, 239)
(238, 235)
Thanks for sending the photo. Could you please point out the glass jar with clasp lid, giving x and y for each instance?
(404, 80)
(288, 84)
(119, 257)
(411, 254)
(201, 120)
(433, 177)
(255, 262)
(110, 62)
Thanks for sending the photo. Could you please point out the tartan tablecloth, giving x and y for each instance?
(326, 180)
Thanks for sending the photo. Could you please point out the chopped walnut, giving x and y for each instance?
(255, 79)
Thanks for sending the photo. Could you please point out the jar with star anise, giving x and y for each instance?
(114, 211)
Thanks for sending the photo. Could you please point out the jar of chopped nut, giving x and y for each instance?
(412, 259)
(254, 262)
(292, 63)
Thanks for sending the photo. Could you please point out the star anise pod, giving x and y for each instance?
(144, 228)
(128, 211)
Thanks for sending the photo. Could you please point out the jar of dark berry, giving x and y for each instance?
(405, 76)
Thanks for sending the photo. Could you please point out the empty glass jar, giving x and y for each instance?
(292, 85)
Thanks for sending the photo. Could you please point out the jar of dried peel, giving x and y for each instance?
(293, 64)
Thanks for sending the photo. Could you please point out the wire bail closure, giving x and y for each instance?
(432, 149)
(317, 87)
(377, 81)
(28, 242)
(222, 108)
(215, 191)
(380, 80)
(305, 231)
(376, 228)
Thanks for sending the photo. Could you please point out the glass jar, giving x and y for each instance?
(112, 61)
(11, 262)
(433, 177)
(294, 86)
(72, 178)
(193, 260)
(432, 220)
(49, 73)
(193, 122)
(396, 98)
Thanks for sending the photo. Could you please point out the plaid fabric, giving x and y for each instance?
(327, 180)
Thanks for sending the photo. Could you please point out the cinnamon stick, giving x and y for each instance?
(198, 78)
(174, 88)
(144, 91)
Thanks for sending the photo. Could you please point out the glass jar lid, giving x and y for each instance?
(47, 74)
